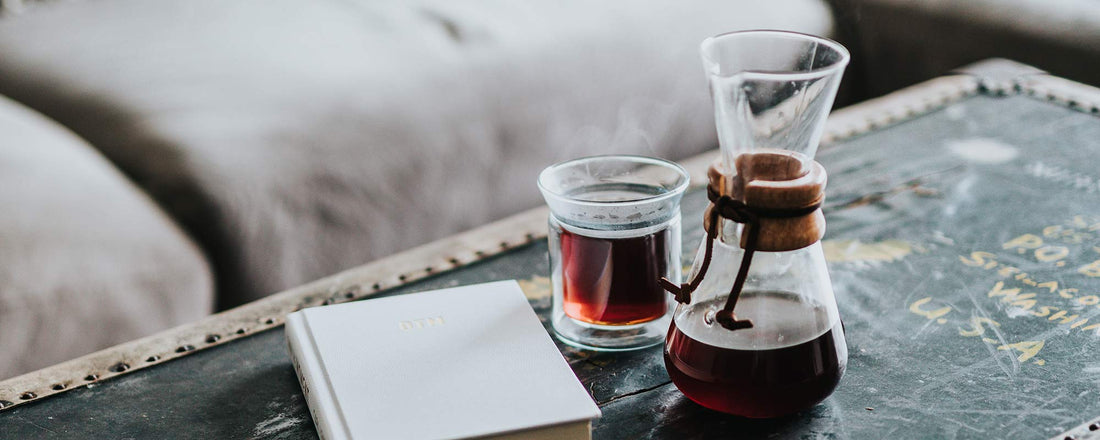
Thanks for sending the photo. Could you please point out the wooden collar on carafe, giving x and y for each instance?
(783, 194)
(780, 208)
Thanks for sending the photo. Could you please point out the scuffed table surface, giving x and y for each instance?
(961, 245)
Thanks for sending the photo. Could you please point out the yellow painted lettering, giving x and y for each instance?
(1007, 270)
(1025, 304)
(1088, 300)
(977, 326)
(1027, 349)
(1047, 254)
(1021, 296)
(1043, 311)
(1062, 316)
(999, 290)
(930, 314)
(1026, 241)
(977, 258)
(1090, 270)
(1052, 285)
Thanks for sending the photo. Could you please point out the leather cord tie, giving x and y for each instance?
(736, 211)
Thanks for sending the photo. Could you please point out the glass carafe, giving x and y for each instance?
(757, 332)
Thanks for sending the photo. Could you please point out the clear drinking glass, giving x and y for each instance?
(772, 91)
(614, 232)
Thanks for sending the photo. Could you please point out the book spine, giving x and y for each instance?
(315, 386)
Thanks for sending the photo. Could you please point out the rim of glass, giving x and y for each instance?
(712, 65)
(684, 181)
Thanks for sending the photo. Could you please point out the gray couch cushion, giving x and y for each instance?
(295, 138)
(86, 260)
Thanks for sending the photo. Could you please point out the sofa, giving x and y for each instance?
(185, 157)
(86, 258)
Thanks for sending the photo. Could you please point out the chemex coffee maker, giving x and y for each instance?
(756, 332)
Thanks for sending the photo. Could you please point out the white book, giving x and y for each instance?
(470, 361)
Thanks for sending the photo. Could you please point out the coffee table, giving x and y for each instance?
(964, 235)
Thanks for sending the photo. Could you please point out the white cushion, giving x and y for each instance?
(86, 259)
(295, 139)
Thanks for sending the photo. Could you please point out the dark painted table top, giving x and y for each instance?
(961, 246)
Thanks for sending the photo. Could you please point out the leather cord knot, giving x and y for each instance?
(737, 211)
